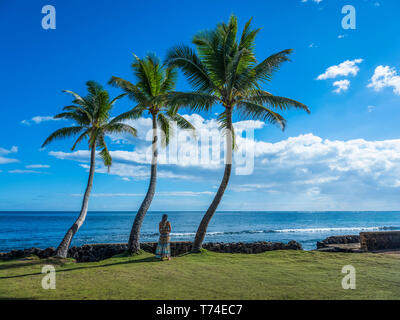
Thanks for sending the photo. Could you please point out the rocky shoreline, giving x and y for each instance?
(364, 242)
(97, 252)
(338, 240)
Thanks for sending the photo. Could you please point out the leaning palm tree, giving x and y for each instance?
(92, 117)
(154, 83)
(224, 71)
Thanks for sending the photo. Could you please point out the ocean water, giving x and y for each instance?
(19, 230)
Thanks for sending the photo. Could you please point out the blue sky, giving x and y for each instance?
(345, 155)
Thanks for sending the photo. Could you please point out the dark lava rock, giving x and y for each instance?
(97, 252)
(338, 240)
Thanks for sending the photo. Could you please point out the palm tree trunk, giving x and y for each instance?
(201, 231)
(62, 249)
(134, 238)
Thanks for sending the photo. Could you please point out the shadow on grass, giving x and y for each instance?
(194, 253)
(34, 261)
(11, 299)
(144, 260)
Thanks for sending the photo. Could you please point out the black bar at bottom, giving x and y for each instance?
(204, 309)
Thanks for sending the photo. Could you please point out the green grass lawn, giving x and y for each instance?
(207, 275)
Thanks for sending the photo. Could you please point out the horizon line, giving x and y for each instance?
(277, 211)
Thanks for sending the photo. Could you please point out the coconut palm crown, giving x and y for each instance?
(224, 70)
(91, 115)
(155, 83)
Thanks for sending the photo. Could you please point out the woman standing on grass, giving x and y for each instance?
(163, 250)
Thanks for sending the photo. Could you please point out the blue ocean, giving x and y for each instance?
(19, 230)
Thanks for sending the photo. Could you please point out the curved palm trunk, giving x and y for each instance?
(201, 231)
(134, 238)
(62, 249)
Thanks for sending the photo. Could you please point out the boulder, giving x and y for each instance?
(384, 240)
(338, 240)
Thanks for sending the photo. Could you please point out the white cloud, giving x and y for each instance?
(371, 108)
(39, 119)
(23, 171)
(185, 193)
(80, 155)
(142, 125)
(13, 149)
(320, 170)
(385, 76)
(160, 193)
(117, 155)
(37, 166)
(4, 152)
(327, 161)
(303, 153)
(312, 173)
(318, 180)
(341, 36)
(251, 187)
(316, 1)
(124, 170)
(342, 85)
(184, 150)
(313, 191)
(343, 69)
(304, 171)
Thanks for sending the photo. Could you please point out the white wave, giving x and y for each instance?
(335, 229)
(296, 230)
(183, 234)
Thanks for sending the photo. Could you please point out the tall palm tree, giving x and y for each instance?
(224, 71)
(92, 117)
(154, 83)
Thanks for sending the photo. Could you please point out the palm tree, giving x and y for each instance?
(154, 83)
(92, 117)
(224, 71)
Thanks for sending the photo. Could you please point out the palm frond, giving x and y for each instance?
(85, 134)
(211, 49)
(196, 101)
(77, 96)
(191, 65)
(94, 88)
(133, 114)
(117, 98)
(265, 69)
(146, 71)
(104, 153)
(133, 92)
(169, 82)
(181, 122)
(80, 118)
(117, 127)
(236, 67)
(248, 36)
(80, 110)
(62, 134)
(166, 128)
(282, 103)
(249, 110)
